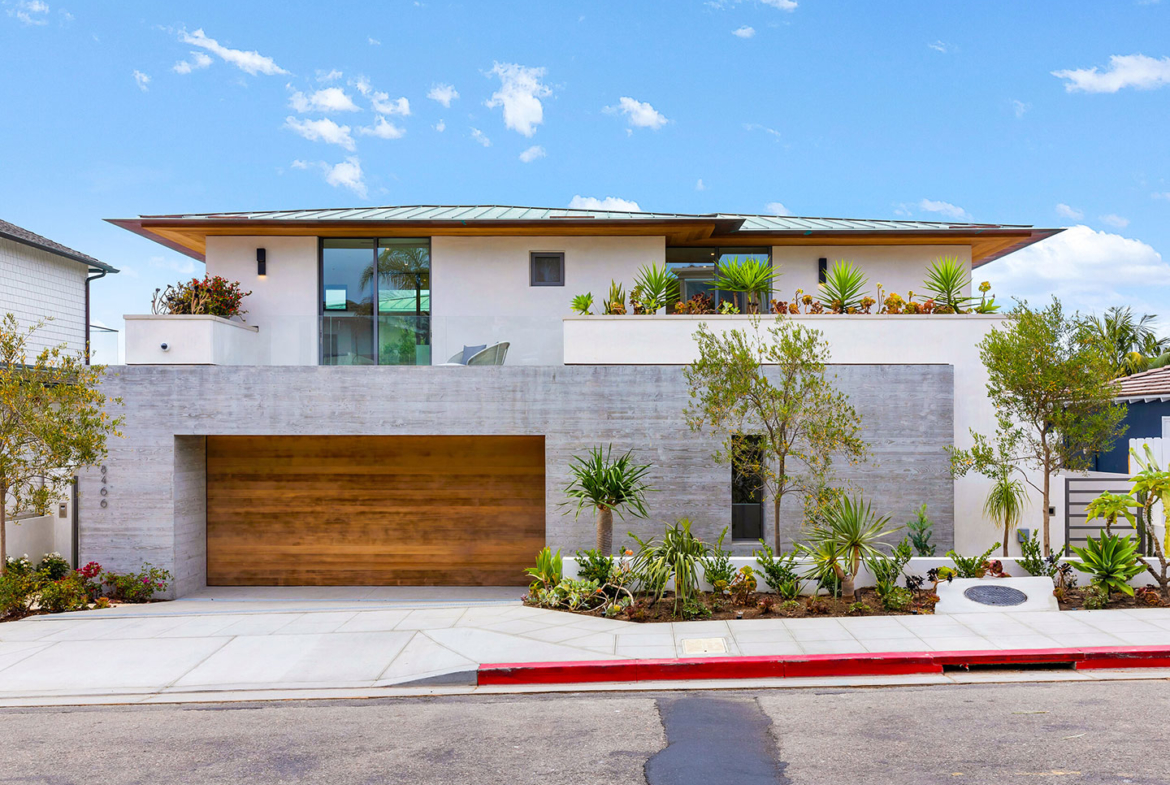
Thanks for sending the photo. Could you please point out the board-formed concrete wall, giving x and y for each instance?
(155, 503)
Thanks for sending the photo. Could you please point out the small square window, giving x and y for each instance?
(547, 268)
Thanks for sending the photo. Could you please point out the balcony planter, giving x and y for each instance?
(191, 340)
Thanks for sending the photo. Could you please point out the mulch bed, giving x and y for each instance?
(1074, 600)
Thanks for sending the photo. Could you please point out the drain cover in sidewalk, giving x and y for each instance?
(1003, 596)
(704, 646)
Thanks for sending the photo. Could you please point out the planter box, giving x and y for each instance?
(192, 340)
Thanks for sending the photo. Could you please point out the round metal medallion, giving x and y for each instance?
(995, 595)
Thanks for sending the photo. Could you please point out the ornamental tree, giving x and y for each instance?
(1049, 382)
(53, 422)
(779, 414)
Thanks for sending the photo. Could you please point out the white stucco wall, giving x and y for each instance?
(193, 340)
(898, 268)
(891, 340)
(284, 303)
(480, 290)
(36, 285)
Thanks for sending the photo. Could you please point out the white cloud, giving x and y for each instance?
(374, 42)
(383, 129)
(330, 99)
(299, 164)
(347, 174)
(441, 126)
(328, 76)
(758, 127)
(1071, 213)
(1020, 108)
(198, 60)
(776, 208)
(30, 12)
(940, 46)
(699, 186)
(639, 113)
(608, 203)
(1137, 71)
(1088, 270)
(380, 102)
(249, 62)
(480, 137)
(443, 93)
(532, 153)
(744, 32)
(143, 80)
(323, 130)
(1116, 221)
(943, 208)
(783, 5)
(519, 94)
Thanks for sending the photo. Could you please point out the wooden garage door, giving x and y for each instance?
(373, 510)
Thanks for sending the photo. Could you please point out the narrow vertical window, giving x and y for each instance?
(747, 488)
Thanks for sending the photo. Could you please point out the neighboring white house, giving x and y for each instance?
(44, 281)
(283, 470)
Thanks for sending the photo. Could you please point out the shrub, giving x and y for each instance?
(971, 566)
(593, 565)
(897, 599)
(1032, 557)
(571, 594)
(676, 557)
(17, 591)
(694, 609)
(91, 577)
(18, 566)
(887, 569)
(743, 586)
(64, 594)
(140, 586)
(53, 567)
(717, 567)
(214, 295)
(921, 529)
(1096, 598)
(1111, 560)
(779, 571)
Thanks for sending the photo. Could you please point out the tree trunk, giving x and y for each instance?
(1044, 500)
(776, 520)
(3, 529)
(1006, 532)
(605, 531)
(847, 587)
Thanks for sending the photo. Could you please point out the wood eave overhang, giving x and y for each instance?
(188, 236)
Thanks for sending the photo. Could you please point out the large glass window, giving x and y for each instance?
(376, 302)
(747, 489)
(696, 267)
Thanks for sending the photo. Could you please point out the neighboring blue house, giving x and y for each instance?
(1147, 396)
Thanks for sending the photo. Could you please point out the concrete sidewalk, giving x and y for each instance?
(190, 647)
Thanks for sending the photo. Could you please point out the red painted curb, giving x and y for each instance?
(808, 665)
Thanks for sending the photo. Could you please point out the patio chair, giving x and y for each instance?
(489, 355)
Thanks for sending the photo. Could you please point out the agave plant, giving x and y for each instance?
(608, 485)
(843, 288)
(947, 279)
(1111, 560)
(657, 286)
(583, 304)
(753, 277)
(676, 557)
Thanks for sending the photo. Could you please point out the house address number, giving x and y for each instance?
(105, 491)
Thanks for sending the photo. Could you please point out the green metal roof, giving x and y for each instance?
(508, 213)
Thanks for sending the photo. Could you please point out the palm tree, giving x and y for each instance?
(607, 484)
(1130, 342)
(405, 267)
(1005, 503)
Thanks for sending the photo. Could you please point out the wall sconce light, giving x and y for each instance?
(261, 262)
(822, 269)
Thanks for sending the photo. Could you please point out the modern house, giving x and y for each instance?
(44, 281)
(1146, 397)
(402, 399)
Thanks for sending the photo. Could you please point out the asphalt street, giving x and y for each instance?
(1086, 732)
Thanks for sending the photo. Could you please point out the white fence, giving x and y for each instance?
(1157, 445)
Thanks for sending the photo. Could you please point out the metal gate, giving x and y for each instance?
(1078, 492)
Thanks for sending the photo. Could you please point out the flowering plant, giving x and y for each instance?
(214, 295)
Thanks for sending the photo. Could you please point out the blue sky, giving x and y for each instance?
(986, 111)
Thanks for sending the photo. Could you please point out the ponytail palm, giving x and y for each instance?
(608, 485)
(1005, 503)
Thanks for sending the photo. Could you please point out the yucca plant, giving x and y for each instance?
(658, 286)
(1111, 560)
(583, 304)
(608, 485)
(946, 279)
(843, 288)
(615, 303)
(849, 536)
(1005, 503)
(752, 277)
(677, 556)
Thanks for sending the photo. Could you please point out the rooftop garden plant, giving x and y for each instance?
(213, 295)
(946, 279)
(583, 304)
(615, 301)
(608, 485)
(751, 277)
(844, 288)
(656, 286)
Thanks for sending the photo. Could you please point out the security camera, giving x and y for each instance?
(164, 347)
